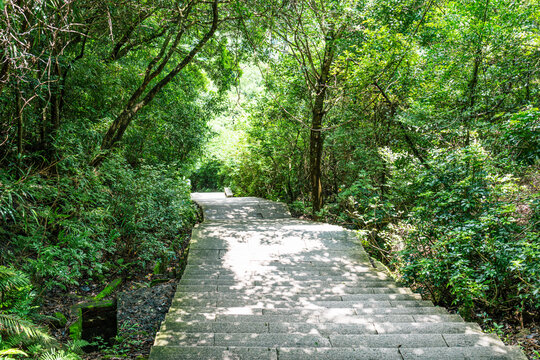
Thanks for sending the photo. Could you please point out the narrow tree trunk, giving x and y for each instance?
(55, 111)
(316, 140)
(472, 93)
(20, 120)
(43, 125)
(4, 72)
(473, 82)
(315, 160)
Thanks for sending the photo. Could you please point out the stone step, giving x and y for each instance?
(287, 282)
(215, 327)
(323, 304)
(322, 312)
(416, 340)
(312, 286)
(271, 340)
(268, 280)
(299, 269)
(273, 254)
(329, 313)
(298, 298)
(288, 304)
(426, 328)
(299, 288)
(323, 329)
(339, 353)
(338, 290)
(297, 295)
(338, 319)
(317, 303)
(212, 353)
(328, 329)
(438, 353)
(275, 266)
(268, 270)
(264, 353)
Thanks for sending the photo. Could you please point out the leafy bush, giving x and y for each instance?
(86, 225)
(151, 209)
(469, 244)
(360, 205)
(521, 136)
(18, 335)
(209, 176)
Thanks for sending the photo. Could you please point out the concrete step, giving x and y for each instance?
(299, 297)
(211, 353)
(339, 319)
(433, 353)
(258, 280)
(338, 290)
(463, 353)
(323, 329)
(416, 340)
(298, 305)
(299, 288)
(273, 340)
(287, 353)
(321, 312)
(329, 313)
(262, 267)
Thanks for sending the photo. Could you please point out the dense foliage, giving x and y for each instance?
(431, 147)
(414, 122)
(103, 113)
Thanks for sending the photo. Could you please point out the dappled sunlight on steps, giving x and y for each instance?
(262, 285)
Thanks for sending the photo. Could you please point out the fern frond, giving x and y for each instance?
(76, 346)
(14, 325)
(12, 279)
(58, 355)
(12, 352)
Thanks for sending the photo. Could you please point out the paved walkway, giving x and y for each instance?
(262, 285)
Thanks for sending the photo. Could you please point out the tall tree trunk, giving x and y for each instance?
(4, 71)
(315, 159)
(19, 106)
(473, 82)
(316, 140)
(471, 101)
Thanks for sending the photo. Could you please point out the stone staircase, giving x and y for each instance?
(262, 285)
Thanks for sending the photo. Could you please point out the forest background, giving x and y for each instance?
(413, 122)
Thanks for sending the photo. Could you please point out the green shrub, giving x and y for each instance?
(84, 225)
(209, 176)
(469, 245)
(520, 138)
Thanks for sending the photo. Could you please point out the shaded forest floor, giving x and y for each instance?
(140, 311)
